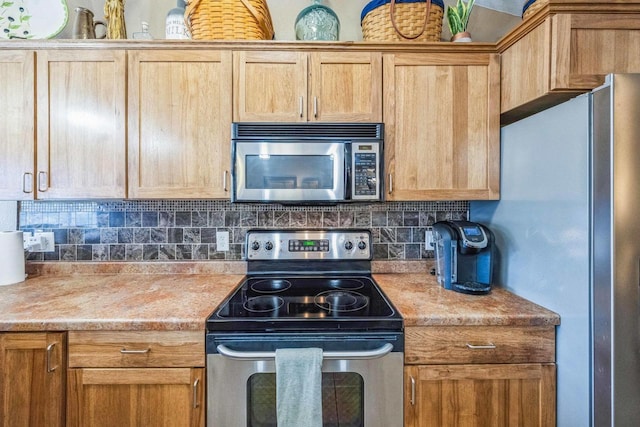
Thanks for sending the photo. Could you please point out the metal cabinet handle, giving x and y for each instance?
(489, 346)
(390, 183)
(315, 107)
(334, 355)
(27, 182)
(49, 354)
(42, 177)
(301, 106)
(224, 181)
(413, 391)
(195, 393)
(125, 351)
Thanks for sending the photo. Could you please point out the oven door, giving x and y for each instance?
(288, 171)
(359, 388)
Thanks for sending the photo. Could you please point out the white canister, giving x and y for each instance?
(11, 257)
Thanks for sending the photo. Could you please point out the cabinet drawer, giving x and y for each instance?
(104, 349)
(479, 344)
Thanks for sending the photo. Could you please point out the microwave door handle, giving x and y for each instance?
(329, 355)
(348, 187)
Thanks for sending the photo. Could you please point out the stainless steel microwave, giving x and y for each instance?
(307, 162)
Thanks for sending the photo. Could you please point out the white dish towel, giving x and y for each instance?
(299, 387)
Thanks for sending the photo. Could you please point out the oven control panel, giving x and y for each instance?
(331, 245)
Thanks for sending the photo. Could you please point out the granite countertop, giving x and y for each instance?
(182, 300)
(422, 302)
(113, 302)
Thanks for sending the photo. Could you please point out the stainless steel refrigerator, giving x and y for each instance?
(567, 230)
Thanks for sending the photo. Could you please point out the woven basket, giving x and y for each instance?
(229, 20)
(402, 20)
(531, 7)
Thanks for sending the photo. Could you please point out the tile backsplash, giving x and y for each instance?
(186, 230)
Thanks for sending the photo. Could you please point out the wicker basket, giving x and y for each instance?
(229, 20)
(531, 7)
(402, 20)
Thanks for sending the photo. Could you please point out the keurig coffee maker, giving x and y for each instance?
(464, 256)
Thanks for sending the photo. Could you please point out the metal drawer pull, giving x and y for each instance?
(390, 183)
(301, 106)
(330, 355)
(42, 177)
(413, 391)
(315, 107)
(224, 181)
(49, 352)
(195, 393)
(27, 183)
(489, 346)
(125, 351)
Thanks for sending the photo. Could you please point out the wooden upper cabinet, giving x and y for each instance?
(547, 62)
(17, 125)
(81, 124)
(179, 123)
(345, 87)
(32, 379)
(289, 86)
(442, 126)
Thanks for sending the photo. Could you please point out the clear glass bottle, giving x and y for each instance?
(144, 34)
(176, 28)
(317, 22)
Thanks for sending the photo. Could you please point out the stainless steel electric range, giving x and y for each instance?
(307, 288)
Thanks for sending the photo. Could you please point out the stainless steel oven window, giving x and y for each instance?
(229, 381)
(342, 400)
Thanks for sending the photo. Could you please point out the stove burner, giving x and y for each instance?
(263, 304)
(341, 301)
(270, 286)
(350, 284)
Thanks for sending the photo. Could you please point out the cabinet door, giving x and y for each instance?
(136, 397)
(17, 124)
(566, 54)
(480, 395)
(179, 124)
(270, 86)
(442, 126)
(32, 380)
(81, 124)
(346, 87)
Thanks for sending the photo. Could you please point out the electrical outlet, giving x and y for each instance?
(222, 241)
(46, 241)
(39, 241)
(428, 239)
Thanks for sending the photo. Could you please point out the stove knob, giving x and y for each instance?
(255, 245)
(268, 246)
(348, 245)
(362, 245)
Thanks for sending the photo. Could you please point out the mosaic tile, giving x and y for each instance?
(183, 219)
(149, 219)
(186, 229)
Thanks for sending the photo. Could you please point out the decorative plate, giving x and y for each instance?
(32, 19)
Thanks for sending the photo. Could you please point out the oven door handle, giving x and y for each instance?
(329, 355)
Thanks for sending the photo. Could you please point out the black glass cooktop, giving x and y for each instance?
(306, 303)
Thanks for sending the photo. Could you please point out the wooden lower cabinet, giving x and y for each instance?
(136, 397)
(480, 395)
(32, 379)
(480, 376)
(136, 378)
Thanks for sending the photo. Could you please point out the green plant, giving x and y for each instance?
(458, 16)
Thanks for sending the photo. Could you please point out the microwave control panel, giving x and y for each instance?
(366, 171)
